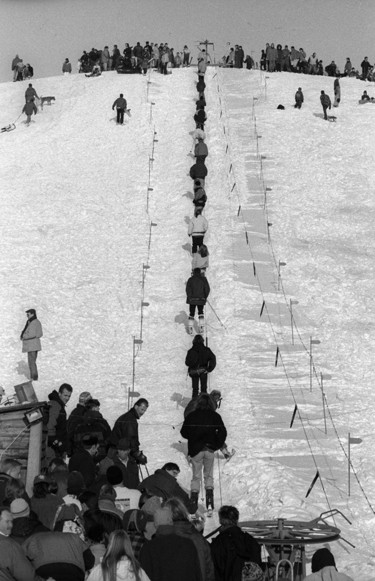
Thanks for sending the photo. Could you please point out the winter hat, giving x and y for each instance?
(76, 483)
(114, 475)
(198, 339)
(107, 505)
(134, 519)
(42, 478)
(84, 397)
(19, 508)
(322, 558)
(123, 444)
(151, 506)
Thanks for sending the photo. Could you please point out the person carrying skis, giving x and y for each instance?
(326, 103)
(121, 106)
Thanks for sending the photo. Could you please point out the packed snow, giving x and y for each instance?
(94, 237)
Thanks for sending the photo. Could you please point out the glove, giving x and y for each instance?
(55, 444)
(140, 458)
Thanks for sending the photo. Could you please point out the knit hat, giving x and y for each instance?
(322, 558)
(215, 393)
(76, 483)
(84, 397)
(123, 444)
(134, 519)
(42, 478)
(19, 508)
(114, 475)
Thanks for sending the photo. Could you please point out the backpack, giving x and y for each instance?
(68, 519)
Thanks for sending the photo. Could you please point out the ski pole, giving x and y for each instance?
(140, 471)
(216, 315)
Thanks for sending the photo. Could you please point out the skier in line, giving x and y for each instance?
(326, 103)
(121, 106)
(205, 432)
(197, 228)
(200, 361)
(31, 334)
(197, 291)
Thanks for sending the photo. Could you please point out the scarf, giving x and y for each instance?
(27, 324)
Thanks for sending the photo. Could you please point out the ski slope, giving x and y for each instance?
(94, 223)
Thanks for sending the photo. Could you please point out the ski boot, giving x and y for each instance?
(201, 323)
(191, 325)
(209, 501)
(193, 502)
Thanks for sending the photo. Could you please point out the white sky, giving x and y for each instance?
(44, 32)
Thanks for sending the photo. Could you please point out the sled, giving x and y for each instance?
(8, 128)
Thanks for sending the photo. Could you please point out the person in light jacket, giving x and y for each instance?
(30, 337)
(198, 226)
(323, 568)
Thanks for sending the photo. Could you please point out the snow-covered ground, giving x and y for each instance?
(87, 205)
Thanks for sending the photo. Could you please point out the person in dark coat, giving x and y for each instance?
(326, 103)
(200, 361)
(92, 423)
(198, 171)
(121, 105)
(201, 85)
(122, 459)
(197, 291)
(12, 558)
(200, 198)
(76, 416)
(205, 432)
(83, 459)
(200, 118)
(30, 93)
(365, 66)
(298, 98)
(126, 426)
(163, 483)
(57, 422)
(170, 556)
(232, 547)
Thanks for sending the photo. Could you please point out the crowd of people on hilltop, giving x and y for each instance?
(137, 58)
(21, 71)
(292, 60)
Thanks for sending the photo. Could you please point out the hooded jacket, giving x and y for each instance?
(230, 549)
(200, 356)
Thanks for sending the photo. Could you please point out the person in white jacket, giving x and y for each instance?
(323, 568)
(198, 227)
(119, 563)
(30, 337)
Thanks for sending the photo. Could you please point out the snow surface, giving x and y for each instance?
(80, 196)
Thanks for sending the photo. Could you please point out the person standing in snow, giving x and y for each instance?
(198, 226)
(67, 67)
(29, 108)
(326, 103)
(299, 98)
(15, 62)
(126, 426)
(337, 92)
(197, 291)
(121, 106)
(30, 337)
(57, 422)
(200, 361)
(232, 547)
(205, 432)
(30, 93)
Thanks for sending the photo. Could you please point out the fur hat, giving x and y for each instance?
(84, 397)
(134, 519)
(19, 508)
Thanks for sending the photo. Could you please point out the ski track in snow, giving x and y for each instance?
(75, 235)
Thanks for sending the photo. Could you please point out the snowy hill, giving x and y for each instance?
(87, 205)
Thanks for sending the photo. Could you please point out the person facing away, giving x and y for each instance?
(32, 331)
(163, 483)
(29, 108)
(200, 361)
(298, 98)
(197, 228)
(197, 291)
(233, 547)
(200, 259)
(121, 105)
(323, 567)
(326, 103)
(67, 66)
(205, 432)
(30, 93)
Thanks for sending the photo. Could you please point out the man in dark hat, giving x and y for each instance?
(30, 337)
